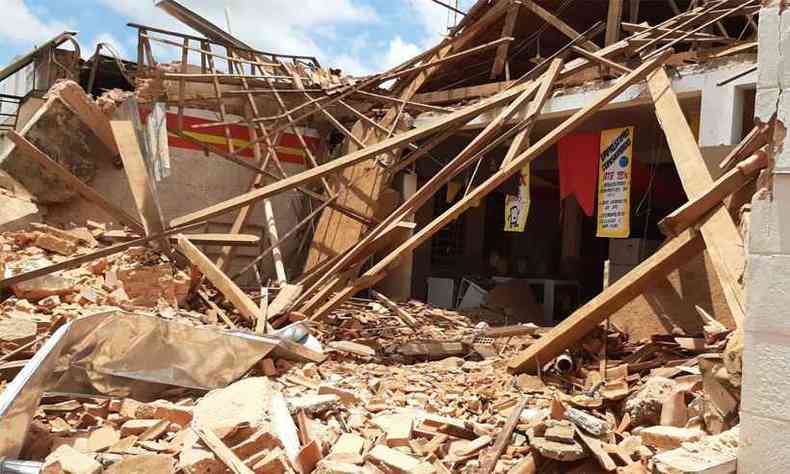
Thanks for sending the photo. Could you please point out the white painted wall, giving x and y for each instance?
(765, 421)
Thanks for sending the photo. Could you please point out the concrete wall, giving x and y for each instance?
(195, 182)
(765, 421)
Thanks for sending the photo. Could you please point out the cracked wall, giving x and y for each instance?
(765, 426)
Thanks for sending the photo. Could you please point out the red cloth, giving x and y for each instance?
(578, 163)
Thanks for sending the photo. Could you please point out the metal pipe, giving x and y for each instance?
(564, 363)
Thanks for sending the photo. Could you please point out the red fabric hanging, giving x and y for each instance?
(578, 164)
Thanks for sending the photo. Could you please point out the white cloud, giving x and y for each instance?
(350, 65)
(106, 38)
(399, 51)
(433, 19)
(282, 26)
(23, 26)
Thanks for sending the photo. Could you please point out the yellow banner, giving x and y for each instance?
(517, 207)
(614, 183)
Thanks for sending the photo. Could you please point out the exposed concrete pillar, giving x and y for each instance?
(765, 421)
(721, 119)
(398, 283)
(721, 114)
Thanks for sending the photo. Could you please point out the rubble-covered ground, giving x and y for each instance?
(426, 392)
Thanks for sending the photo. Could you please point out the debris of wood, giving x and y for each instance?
(403, 387)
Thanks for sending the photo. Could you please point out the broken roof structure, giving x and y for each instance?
(567, 187)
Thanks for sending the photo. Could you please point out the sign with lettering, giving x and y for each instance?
(614, 183)
(517, 207)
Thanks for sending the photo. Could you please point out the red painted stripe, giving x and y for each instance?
(237, 132)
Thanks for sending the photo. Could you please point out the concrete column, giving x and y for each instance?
(721, 114)
(765, 420)
(721, 119)
(398, 283)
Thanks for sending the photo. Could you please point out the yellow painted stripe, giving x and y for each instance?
(238, 142)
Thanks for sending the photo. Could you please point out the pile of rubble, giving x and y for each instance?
(301, 374)
(388, 398)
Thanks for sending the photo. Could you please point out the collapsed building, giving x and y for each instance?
(523, 250)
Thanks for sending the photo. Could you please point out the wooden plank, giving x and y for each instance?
(464, 159)
(287, 235)
(601, 60)
(464, 114)
(78, 261)
(613, 20)
(284, 300)
(462, 93)
(225, 285)
(723, 239)
(226, 254)
(490, 458)
(238, 240)
(335, 233)
(222, 451)
(397, 310)
(672, 255)
(756, 139)
(504, 41)
(87, 192)
(512, 330)
(377, 272)
(558, 24)
(410, 104)
(507, 30)
(351, 159)
(636, 28)
(693, 211)
(542, 96)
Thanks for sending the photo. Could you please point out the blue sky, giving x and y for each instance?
(359, 36)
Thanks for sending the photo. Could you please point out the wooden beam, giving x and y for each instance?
(410, 104)
(674, 34)
(243, 303)
(396, 310)
(464, 159)
(87, 192)
(558, 24)
(541, 97)
(613, 20)
(78, 261)
(237, 240)
(490, 458)
(477, 49)
(378, 270)
(351, 159)
(507, 30)
(693, 211)
(724, 240)
(240, 221)
(755, 140)
(601, 60)
(285, 237)
(670, 256)
(221, 450)
(462, 93)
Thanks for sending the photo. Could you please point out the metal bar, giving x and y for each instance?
(449, 7)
